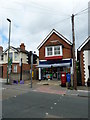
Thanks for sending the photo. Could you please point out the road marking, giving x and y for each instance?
(46, 113)
(75, 94)
(83, 91)
(51, 108)
(55, 103)
(34, 90)
(53, 116)
(3, 88)
(15, 96)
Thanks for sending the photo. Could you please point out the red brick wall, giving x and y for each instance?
(24, 67)
(4, 70)
(67, 52)
(1, 48)
(82, 68)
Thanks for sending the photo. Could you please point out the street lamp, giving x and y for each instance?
(32, 56)
(8, 46)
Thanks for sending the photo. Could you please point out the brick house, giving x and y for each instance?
(16, 54)
(83, 56)
(55, 56)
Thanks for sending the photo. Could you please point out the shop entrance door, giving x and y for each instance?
(55, 74)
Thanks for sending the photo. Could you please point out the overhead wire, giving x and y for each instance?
(60, 21)
(50, 11)
(41, 7)
(81, 12)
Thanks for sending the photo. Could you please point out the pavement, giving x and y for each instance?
(56, 88)
(44, 86)
(2, 80)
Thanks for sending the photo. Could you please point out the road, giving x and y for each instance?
(45, 105)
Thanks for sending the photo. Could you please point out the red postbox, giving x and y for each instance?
(63, 79)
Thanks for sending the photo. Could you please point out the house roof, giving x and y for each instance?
(84, 43)
(57, 33)
(17, 49)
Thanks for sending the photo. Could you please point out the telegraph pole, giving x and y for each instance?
(74, 58)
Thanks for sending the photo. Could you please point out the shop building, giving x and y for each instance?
(55, 56)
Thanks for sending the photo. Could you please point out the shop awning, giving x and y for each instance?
(61, 65)
(44, 66)
(54, 65)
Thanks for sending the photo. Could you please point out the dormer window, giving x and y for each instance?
(57, 50)
(53, 51)
(49, 51)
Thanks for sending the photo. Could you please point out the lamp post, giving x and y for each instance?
(32, 56)
(8, 46)
(31, 66)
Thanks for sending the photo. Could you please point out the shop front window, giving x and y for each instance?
(46, 73)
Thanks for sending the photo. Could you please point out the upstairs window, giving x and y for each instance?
(49, 51)
(53, 51)
(57, 50)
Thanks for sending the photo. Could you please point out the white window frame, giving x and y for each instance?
(49, 51)
(57, 50)
(15, 69)
(61, 53)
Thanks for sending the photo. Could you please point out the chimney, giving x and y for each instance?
(1, 48)
(22, 46)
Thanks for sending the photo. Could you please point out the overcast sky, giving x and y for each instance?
(32, 20)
